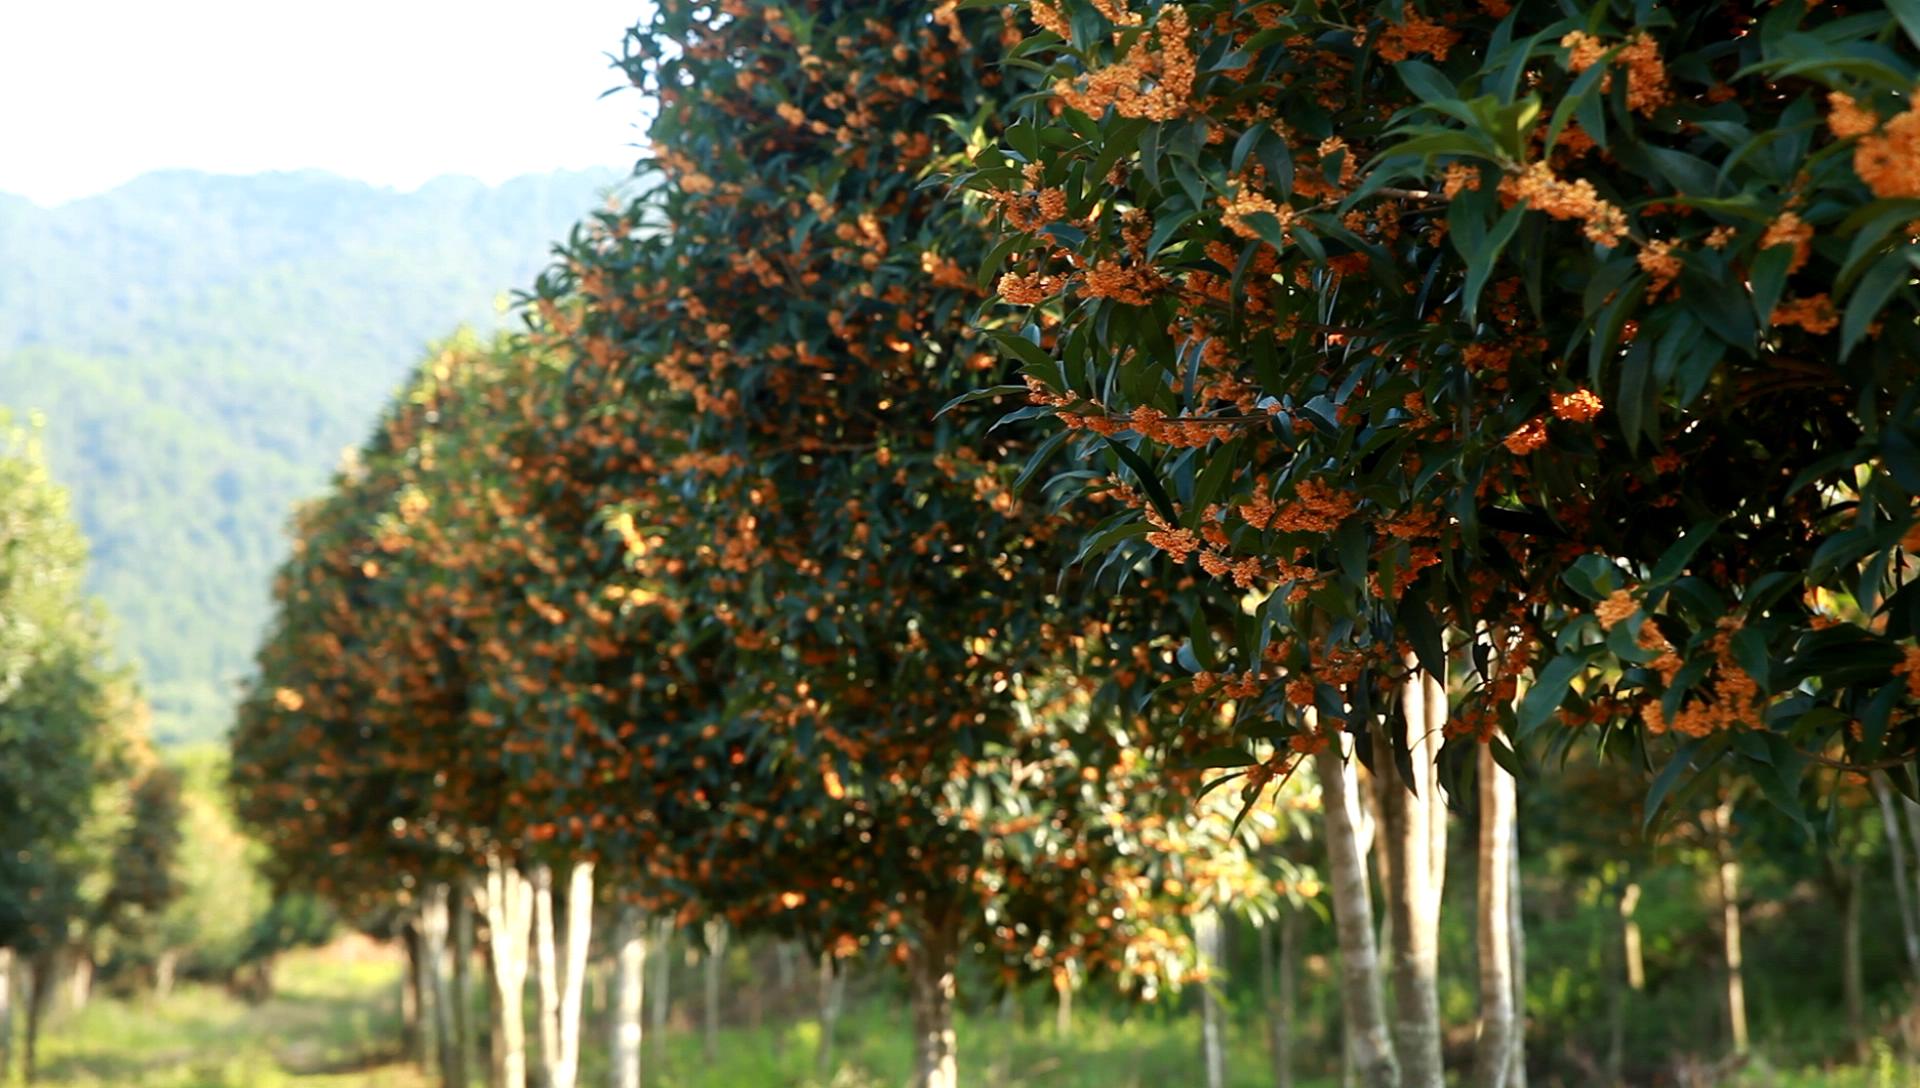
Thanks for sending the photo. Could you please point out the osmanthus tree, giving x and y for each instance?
(61, 738)
(349, 763)
(875, 600)
(1581, 339)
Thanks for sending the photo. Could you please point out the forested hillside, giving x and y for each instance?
(204, 348)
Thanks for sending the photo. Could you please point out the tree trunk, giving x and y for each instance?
(1279, 982)
(434, 927)
(165, 967)
(7, 960)
(1728, 873)
(1063, 1004)
(509, 910)
(1493, 1048)
(1207, 934)
(1369, 1049)
(1852, 985)
(712, 967)
(1517, 1067)
(833, 988)
(930, 966)
(657, 990)
(565, 1073)
(1635, 979)
(1903, 892)
(460, 1066)
(414, 1033)
(546, 974)
(1413, 834)
(79, 979)
(630, 958)
(39, 989)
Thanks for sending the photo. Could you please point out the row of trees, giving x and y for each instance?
(719, 593)
(89, 817)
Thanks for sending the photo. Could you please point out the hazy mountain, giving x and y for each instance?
(203, 348)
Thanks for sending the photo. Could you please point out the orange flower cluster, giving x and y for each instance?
(1847, 118)
(1545, 192)
(1133, 284)
(1028, 290)
(1417, 34)
(1116, 12)
(1647, 87)
(1317, 507)
(1909, 667)
(1657, 260)
(1245, 572)
(1527, 438)
(1051, 18)
(1619, 605)
(1578, 406)
(1155, 85)
(1241, 203)
(1460, 177)
(1888, 160)
(1789, 229)
(1814, 313)
(1732, 700)
(1151, 423)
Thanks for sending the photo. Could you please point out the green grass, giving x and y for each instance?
(872, 1051)
(334, 1024)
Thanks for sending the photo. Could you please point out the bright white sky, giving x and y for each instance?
(96, 92)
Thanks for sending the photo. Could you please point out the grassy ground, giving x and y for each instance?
(334, 1024)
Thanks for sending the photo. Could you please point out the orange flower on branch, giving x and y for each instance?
(1789, 229)
(1888, 160)
(1814, 313)
(1578, 406)
(1530, 436)
(1545, 192)
(1418, 34)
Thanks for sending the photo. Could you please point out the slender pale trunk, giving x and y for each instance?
(460, 1065)
(546, 973)
(7, 960)
(1852, 984)
(165, 968)
(40, 984)
(931, 966)
(1635, 980)
(833, 988)
(1063, 1004)
(1630, 938)
(657, 995)
(434, 927)
(79, 979)
(509, 910)
(1363, 1013)
(1727, 872)
(417, 1037)
(1517, 1068)
(1279, 983)
(1903, 893)
(565, 1073)
(1208, 938)
(1493, 1049)
(1413, 834)
(630, 959)
(714, 963)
